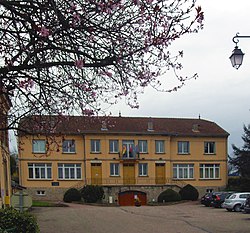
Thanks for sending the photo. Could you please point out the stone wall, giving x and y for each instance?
(111, 192)
(50, 194)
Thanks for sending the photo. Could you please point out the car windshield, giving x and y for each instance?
(232, 196)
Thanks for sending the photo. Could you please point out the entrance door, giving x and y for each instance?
(160, 173)
(96, 173)
(128, 173)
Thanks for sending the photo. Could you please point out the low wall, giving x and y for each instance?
(111, 192)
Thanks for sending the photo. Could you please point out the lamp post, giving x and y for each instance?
(237, 55)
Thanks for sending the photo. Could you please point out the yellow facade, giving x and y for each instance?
(5, 177)
(168, 167)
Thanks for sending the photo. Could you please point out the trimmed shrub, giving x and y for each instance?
(72, 194)
(189, 192)
(92, 193)
(11, 219)
(168, 196)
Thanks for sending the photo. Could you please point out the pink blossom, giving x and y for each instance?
(79, 63)
(88, 112)
(44, 32)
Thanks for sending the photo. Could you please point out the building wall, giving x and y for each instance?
(5, 178)
(85, 158)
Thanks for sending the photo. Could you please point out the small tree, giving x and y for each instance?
(241, 160)
(63, 56)
(92, 193)
(189, 192)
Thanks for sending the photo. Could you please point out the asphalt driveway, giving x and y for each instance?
(181, 218)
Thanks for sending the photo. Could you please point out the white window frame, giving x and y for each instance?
(114, 169)
(39, 146)
(40, 171)
(209, 147)
(69, 146)
(143, 169)
(143, 146)
(113, 146)
(183, 147)
(40, 193)
(159, 146)
(95, 145)
(209, 171)
(183, 171)
(69, 171)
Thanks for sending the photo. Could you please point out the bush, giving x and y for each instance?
(92, 193)
(189, 192)
(72, 194)
(168, 196)
(18, 222)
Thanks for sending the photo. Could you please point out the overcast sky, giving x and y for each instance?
(221, 93)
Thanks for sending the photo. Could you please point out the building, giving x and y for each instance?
(5, 177)
(127, 155)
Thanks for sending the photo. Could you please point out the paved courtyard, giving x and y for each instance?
(181, 218)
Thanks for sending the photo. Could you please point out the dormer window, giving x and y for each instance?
(104, 126)
(195, 128)
(150, 126)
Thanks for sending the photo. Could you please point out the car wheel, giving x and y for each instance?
(237, 208)
(229, 210)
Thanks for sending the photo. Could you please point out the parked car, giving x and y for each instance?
(207, 198)
(219, 198)
(234, 201)
(246, 205)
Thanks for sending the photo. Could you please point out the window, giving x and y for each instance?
(209, 147)
(143, 146)
(69, 171)
(40, 193)
(95, 146)
(128, 149)
(114, 169)
(245, 195)
(39, 146)
(143, 169)
(159, 146)
(39, 170)
(209, 171)
(183, 147)
(113, 146)
(69, 146)
(183, 171)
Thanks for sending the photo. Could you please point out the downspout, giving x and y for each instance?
(84, 160)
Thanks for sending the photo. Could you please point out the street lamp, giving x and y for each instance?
(237, 55)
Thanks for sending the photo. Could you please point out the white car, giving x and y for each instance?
(235, 201)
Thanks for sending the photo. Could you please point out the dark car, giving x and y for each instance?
(219, 198)
(207, 198)
(246, 206)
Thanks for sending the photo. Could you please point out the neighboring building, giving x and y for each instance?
(127, 155)
(5, 178)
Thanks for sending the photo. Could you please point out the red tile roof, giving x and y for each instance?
(121, 125)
